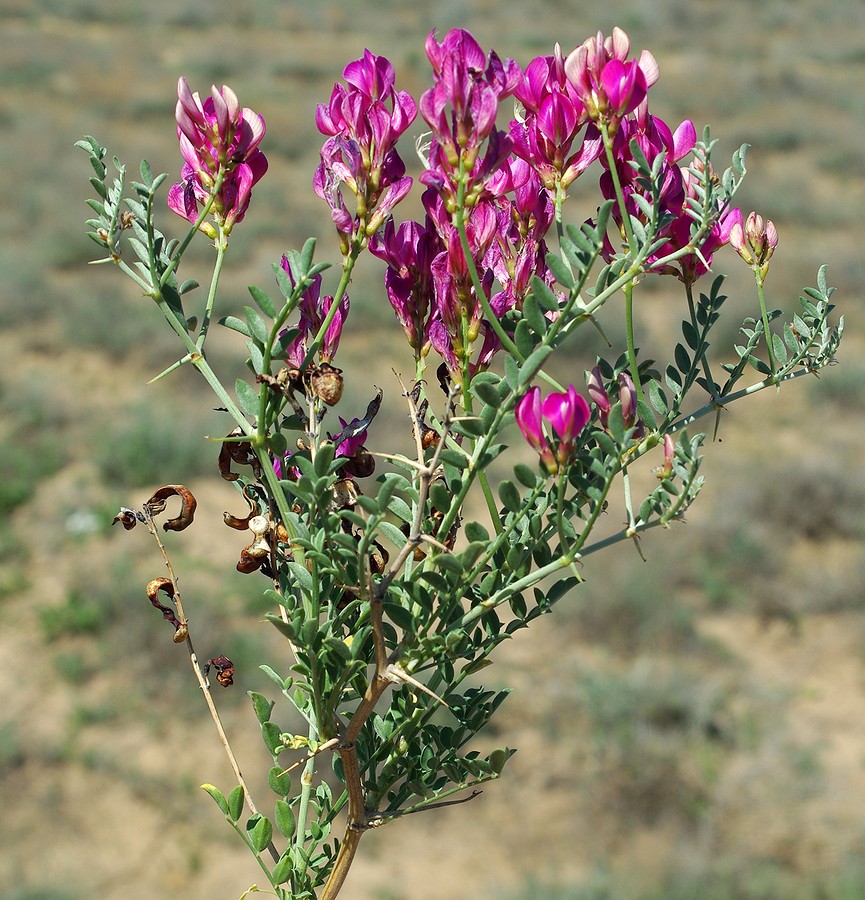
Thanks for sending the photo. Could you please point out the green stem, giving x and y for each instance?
(617, 185)
(629, 336)
(221, 247)
(767, 335)
(181, 248)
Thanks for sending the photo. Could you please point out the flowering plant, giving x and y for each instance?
(393, 593)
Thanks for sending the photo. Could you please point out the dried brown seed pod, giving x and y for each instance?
(362, 464)
(240, 452)
(345, 493)
(166, 586)
(156, 504)
(248, 563)
(326, 383)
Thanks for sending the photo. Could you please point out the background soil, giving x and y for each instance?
(692, 726)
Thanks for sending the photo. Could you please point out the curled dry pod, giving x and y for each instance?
(224, 669)
(156, 504)
(362, 464)
(166, 586)
(378, 559)
(240, 452)
(248, 563)
(345, 494)
(429, 437)
(241, 524)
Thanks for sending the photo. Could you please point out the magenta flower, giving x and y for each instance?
(216, 136)
(409, 251)
(461, 109)
(364, 121)
(552, 120)
(606, 82)
(599, 396)
(567, 413)
(695, 264)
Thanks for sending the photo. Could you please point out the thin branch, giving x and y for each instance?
(202, 679)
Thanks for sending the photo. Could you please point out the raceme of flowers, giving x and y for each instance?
(219, 144)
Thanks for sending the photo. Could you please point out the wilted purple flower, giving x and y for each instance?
(313, 311)
(216, 135)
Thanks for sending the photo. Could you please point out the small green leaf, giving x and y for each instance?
(780, 349)
(759, 365)
(284, 819)
(247, 397)
(283, 869)
(440, 496)
(262, 706)
(264, 303)
(691, 336)
(486, 392)
(236, 324)
(218, 796)
(561, 271)
(510, 496)
(235, 803)
(523, 338)
(526, 476)
(538, 322)
(279, 781)
(400, 616)
(257, 326)
(259, 831)
(272, 738)
(532, 365)
(474, 531)
(683, 361)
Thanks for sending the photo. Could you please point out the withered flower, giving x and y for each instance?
(128, 518)
(224, 669)
(156, 504)
(165, 584)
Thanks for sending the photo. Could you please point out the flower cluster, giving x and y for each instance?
(461, 109)
(755, 240)
(364, 121)
(219, 143)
